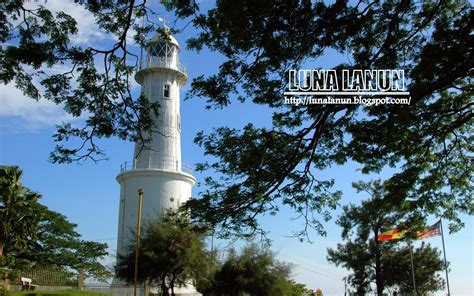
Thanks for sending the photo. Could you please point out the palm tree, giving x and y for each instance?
(18, 218)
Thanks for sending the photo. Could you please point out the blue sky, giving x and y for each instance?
(88, 194)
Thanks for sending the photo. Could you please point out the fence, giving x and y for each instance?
(53, 280)
(47, 277)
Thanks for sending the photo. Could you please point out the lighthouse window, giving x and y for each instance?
(179, 123)
(166, 91)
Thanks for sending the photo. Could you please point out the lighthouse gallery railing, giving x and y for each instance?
(158, 163)
(156, 63)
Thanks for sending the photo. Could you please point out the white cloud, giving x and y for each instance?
(19, 113)
(89, 33)
(88, 30)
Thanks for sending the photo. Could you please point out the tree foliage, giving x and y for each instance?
(32, 236)
(384, 263)
(257, 170)
(35, 40)
(58, 245)
(429, 140)
(254, 271)
(18, 219)
(171, 254)
(427, 264)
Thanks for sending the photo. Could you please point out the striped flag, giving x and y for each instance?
(391, 235)
(432, 230)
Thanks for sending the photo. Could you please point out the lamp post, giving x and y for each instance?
(137, 249)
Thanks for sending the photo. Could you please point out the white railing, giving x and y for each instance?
(158, 163)
(148, 63)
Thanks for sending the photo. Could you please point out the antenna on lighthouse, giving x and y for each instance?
(163, 20)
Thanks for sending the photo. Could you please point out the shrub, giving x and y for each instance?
(4, 292)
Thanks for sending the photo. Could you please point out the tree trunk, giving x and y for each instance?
(147, 287)
(164, 287)
(378, 279)
(172, 286)
(4, 274)
(6, 281)
(378, 264)
(4, 225)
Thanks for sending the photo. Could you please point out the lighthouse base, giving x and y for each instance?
(118, 289)
(163, 189)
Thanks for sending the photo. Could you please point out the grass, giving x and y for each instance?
(57, 292)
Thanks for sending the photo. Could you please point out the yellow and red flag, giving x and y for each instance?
(395, 233)
(392, 234)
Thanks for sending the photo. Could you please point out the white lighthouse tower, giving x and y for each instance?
(156, 166)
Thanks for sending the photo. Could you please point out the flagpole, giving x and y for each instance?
(412, 268)
(444, 253)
